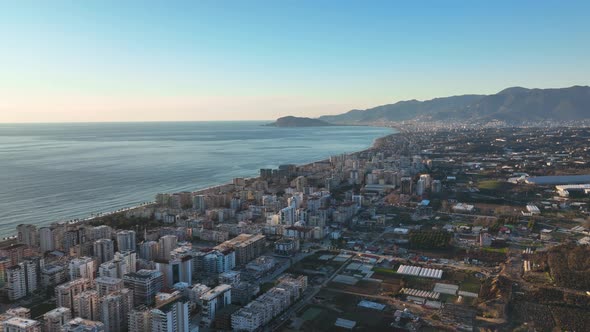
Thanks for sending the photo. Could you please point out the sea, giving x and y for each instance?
(60, 172)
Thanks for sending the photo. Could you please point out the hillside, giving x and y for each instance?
(292, 121)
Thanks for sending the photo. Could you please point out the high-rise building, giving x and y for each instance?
(23, 279)
(420, 187)
(5, 263)
(126, 240)
(17, 324)
(213, 301)
(215, 261)
(406, 185)
(83, 325)
(46, 239)
(16, 252)
(56, 318)
(53, 274)
(107, 285)
(172, 316)
(436, 186)
(65, 293)
(28, 234)
(16, 286)
(167, 243)
(114, 309)
(104, 250)
(148, 250)
(247, 247)
(199, 203)
(86, 305)
(176, 270)
(100, 232)
(122, 264)
(140, 319)
(83, 267)
(145, 284)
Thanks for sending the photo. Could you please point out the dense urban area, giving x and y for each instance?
(434, 228)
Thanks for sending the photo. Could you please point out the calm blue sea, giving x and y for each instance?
(53, 172)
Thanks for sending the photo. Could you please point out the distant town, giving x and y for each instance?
(437, 228)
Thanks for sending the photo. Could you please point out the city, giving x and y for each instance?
(294, 166)
(427, 230)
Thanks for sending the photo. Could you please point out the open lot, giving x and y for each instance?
(322, 315)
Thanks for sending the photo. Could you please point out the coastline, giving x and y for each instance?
(205, 190)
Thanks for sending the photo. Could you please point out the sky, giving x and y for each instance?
(86, 61)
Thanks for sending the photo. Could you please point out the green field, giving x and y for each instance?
(311, 313)
(499, 250)
(383, 270)
(494, 185)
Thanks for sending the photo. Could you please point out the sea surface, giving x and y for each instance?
(59, 172)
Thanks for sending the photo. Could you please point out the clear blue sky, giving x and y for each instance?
(204, 60)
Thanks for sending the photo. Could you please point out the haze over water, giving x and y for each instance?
(55, 172)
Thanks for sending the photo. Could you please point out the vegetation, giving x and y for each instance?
(491, 185)
(430, 239)
(121, 221)
(498, 250)
(568, 265)
(383, 270)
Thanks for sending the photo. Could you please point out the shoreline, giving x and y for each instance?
(201, 191)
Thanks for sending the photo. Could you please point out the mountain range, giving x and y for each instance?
(513, 105)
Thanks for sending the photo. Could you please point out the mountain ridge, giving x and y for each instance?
(513, 105)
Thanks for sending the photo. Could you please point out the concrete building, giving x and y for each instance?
(17, 324)
(140, 319)
(406, 186)
(5, 263)
(83, 267)
(269, 305)
(170, 317)
(199, 203)
(104, 250)
(56, 318)
(126, 240)
(83, 325)
(176, 270)
(16, 286)
(28, 234)
(53, 275)
(436, 186)
(22, 279)
(107, 285)
(166, 244)
(114, 309)
(287, 246)
(145, 284)
(19, 312)
(148, 250)
(195, 292)
(46, 239)
(229, 278)
(214, 300)
(420, 187)
(247, 247)
(86, 305)
(122, 264)
(65, 293)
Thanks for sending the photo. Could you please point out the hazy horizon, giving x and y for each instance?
(216, 60)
